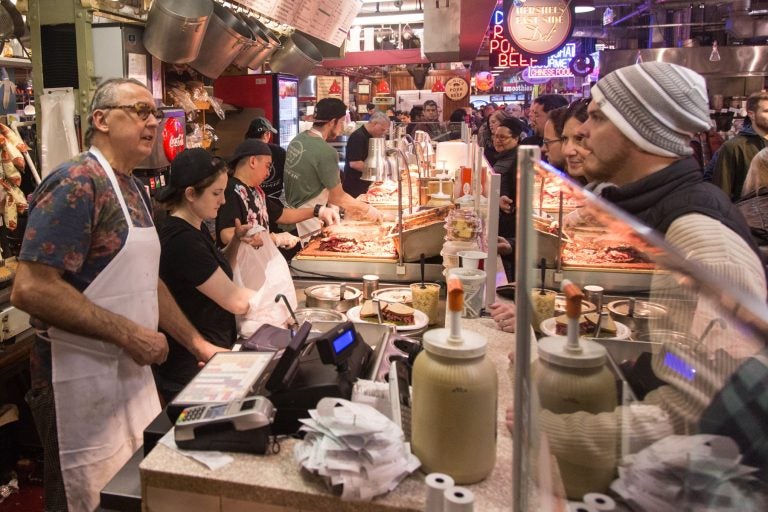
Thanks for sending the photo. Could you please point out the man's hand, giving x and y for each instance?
(505, 204)
(329, 215)
(207, 352)
(374, 215)
(503, 247)
(146, 346)
(504, 313)
(285, 240)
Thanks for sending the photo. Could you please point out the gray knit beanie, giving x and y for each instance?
(656, 105)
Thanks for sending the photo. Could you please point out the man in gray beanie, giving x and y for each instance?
(641, 120)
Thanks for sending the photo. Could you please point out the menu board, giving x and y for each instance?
(327, 20)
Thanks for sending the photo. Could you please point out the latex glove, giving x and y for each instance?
(285, 240)
(329, 216)
(374, 215)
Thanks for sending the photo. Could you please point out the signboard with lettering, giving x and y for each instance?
(383, 100)
(502, 53)
(456, 88)
(557, 64)
(538, 27)
(333, 87)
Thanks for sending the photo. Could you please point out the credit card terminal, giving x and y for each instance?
(239, 426)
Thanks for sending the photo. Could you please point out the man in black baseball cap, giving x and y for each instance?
(312, 178)
(260, 128)
(245, 200)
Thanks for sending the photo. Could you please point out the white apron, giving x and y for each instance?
(104, 400)
(313, 224)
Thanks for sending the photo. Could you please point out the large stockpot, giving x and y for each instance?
(227, 35)
(298, 56)
(639, 315)
(270, 43)
(247, 57)
(175, 29)
(329, 296)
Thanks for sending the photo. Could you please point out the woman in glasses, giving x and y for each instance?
(198, 275)
(506, 138)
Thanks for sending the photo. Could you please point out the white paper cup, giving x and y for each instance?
(472, 259)
(473, 282)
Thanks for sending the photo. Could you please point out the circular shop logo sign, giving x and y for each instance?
(173, 138)
(540, 27)
(456, 88)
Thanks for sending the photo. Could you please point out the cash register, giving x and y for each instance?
(293, 379)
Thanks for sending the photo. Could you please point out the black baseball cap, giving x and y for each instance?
(249, 147)
(328, 109)
(189, 168)
(258, 126)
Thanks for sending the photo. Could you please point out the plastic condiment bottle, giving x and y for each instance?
(454, 400)
(570, 375)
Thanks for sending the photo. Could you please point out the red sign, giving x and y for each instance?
(173, 138)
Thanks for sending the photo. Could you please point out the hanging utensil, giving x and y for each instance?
(421, 262)
(280, 296)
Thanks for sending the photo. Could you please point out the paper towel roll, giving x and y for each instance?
(459, 499)
(578, 506)
(599, 501)
(437, 483)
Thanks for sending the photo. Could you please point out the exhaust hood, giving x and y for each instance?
(454, 29)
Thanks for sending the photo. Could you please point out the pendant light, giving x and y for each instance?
(383, 87)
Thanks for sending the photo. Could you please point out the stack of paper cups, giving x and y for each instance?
(437, 484)
(459, 499)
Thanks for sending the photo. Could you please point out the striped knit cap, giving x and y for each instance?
(656, 105)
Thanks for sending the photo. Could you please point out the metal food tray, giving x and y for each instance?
(426, 239)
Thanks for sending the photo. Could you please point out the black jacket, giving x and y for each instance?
(506, 166)
(677, 190)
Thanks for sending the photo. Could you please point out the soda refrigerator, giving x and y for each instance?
(275, 93)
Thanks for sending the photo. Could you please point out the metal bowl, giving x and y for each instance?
(319, 315)
(644, 313)
(328, 296)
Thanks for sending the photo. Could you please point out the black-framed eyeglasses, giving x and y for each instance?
(547, 142)
(141, 109)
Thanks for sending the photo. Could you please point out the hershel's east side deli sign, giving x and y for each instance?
(538, 27)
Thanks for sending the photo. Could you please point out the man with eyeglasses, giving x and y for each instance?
(88, 276)
(552, 144)
(542, 105)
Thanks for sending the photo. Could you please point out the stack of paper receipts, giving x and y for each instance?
(356, 447)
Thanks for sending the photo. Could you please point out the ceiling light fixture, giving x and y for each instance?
(581, 9)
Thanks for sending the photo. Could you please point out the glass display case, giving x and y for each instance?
(667, 408)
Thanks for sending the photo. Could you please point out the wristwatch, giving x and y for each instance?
(316, 211)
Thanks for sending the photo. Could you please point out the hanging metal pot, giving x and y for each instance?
(299, 56)
(255, 54)
(226, 37)
(175, 29)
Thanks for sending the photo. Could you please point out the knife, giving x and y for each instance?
(307, 236)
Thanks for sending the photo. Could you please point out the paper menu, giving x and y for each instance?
(327, 20)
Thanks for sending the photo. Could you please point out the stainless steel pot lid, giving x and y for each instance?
(643, 309)
(319, 315)
(331, 292)
(401, 294)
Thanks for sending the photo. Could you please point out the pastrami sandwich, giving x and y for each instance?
(391, 312)
(587, 325)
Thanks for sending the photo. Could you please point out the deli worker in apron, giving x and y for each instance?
(88, 275)
(312, 177)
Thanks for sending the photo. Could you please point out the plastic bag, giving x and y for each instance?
(253, 267)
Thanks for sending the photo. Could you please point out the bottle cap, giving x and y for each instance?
(472, 344)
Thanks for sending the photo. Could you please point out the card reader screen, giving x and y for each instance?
(343, 341)
(215, 411)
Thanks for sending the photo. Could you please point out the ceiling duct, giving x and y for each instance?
(454, 29)
(741, 24)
